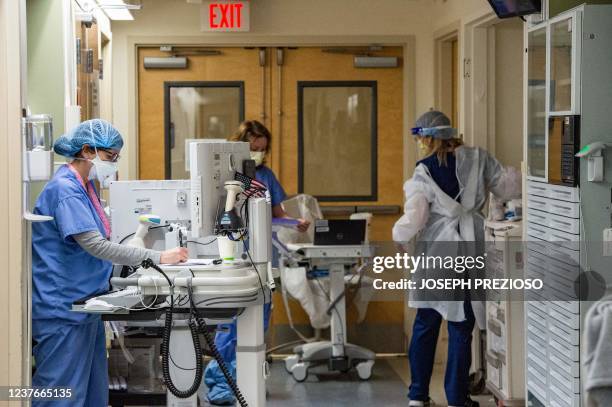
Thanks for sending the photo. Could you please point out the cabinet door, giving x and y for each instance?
(563, 75)
(536, 104)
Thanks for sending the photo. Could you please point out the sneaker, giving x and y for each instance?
(419, 403)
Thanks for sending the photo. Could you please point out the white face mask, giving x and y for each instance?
(258, 157)
(104, 171)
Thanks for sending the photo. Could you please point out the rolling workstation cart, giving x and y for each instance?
(338, 354)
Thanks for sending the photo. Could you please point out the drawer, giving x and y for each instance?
(556, 401)
(557, 192)
(566, 240)
(538, 388)
(569, 306)
(561, 387)
(571, 367)
(551, 220)
(563, 318)
(562, 208)
(536, 347)
(535, 384)
(537, 364)
(556, 331)
(571, 352)
(565, 381)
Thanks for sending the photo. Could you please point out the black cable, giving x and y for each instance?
(124, 238)
(215, 353)
(202, 244)
(165, 345)
(263, 291)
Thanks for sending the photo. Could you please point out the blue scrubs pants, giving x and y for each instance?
(423, 349)
(72, 356)
(219, 392)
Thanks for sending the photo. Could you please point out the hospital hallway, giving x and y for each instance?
(388, 386)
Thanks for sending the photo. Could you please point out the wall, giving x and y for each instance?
(291, 21)
(14, 345)
(559, 6)
(509, 92)
(46, 60)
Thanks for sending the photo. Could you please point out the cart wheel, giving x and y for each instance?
(477, 383)
(364, 369)
(290, 361)
(300, 372)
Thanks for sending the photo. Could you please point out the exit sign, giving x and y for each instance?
(225, 16)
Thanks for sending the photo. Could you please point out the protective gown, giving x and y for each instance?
(433, 216)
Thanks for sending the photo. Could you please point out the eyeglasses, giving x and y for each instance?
(114, 157)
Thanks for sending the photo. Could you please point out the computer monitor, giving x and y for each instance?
(212, 163)
(515, 8)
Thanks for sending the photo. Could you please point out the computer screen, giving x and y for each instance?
(514, 8)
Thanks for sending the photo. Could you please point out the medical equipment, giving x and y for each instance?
(504, 356)
(145, 222)
(563, 144)
(197, 295)
(595, 160)
(337, 353)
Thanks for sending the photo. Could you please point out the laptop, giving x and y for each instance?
(332, 232)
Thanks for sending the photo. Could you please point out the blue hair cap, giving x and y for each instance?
(96, 133)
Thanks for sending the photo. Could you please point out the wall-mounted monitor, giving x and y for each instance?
(515, 8)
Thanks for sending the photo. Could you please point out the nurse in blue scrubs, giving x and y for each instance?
(71, 260)
(259, 139)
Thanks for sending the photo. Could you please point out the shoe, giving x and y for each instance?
(469, 403)
(419, 403)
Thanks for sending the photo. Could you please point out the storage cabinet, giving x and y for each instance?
(504, 317)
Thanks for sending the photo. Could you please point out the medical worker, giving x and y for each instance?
(444, 199)
(72, 259)
(259, 139)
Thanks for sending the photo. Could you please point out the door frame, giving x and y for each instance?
(442, 38)
(478, 112)
(192, 84)
(15, 340)
(407, 42)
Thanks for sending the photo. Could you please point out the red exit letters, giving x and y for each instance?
(225, 15)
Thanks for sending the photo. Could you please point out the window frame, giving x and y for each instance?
(192, 84)
(373, 85)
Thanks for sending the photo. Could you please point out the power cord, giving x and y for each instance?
(165, 346)
(215, 352)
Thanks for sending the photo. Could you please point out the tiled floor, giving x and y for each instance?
(387, 387)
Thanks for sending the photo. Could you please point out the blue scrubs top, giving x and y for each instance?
(265, 175)
(444, 175)
(62, 272)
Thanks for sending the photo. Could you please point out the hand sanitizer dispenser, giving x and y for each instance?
(595, 160)
(38, 147)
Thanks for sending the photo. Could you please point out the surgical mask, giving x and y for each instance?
(258, 157)
(104, 171)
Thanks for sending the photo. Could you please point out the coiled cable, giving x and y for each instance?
(215, 353)
(165, 345)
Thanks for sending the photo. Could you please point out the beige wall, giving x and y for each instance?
(13, 342)
(408, 22)
(509, 92)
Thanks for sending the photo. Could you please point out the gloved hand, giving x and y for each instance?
(174, 256)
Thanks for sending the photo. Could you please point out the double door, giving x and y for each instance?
(336, 134)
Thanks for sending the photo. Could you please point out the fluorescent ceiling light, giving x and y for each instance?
(116, 9)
